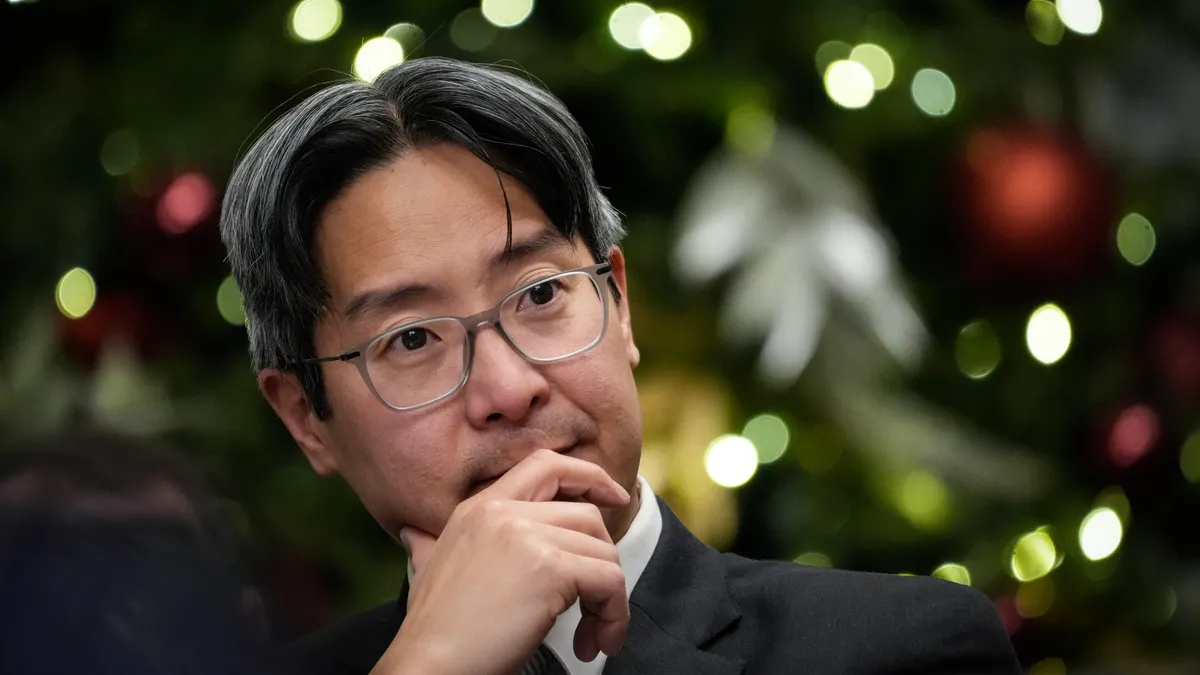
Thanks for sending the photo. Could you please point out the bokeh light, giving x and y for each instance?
(229, 302)
(471, 31)
(849, 84)
(409, 35)
(1082, 16)
(625, 24)
(1048, 334)
(770, 436)
(1050, 666)
(119, 154)
(375, 56)
(877, 61)
(834, 50)
(933, 92)
(1100, 534)
(922, 497)
(813, 559)
(1134, 433)
(750, 129)
(955, 572)
(1135, 239)
(1189, 457)
(1035, 598)
(1114, 498)
(665, 36)
(977, 350)
(731, 460)
(506, 13)
(314, 20)
(75, 293)
(1033, 556)
(187, 201)
(1043, 21)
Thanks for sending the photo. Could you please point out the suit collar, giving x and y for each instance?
(680, 605)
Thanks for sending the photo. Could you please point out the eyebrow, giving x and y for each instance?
(548, 240)
(374, 302)
(371, 303)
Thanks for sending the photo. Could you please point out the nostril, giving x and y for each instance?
(494, 417)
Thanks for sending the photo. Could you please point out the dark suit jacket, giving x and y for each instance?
(695, 611)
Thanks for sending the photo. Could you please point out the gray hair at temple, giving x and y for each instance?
(280, 188)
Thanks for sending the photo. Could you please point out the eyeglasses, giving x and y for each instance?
(420, 363)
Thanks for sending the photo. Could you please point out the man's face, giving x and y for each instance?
(435, 218)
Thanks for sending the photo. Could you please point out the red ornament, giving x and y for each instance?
(1133, 434)
(187, 201)
(1034, 207)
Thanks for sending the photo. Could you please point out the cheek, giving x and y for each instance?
(400, 464)
(601, 384)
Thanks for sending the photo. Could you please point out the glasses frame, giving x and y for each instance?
(599, 274)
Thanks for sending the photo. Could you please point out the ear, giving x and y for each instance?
(617, 259)
(283, 391)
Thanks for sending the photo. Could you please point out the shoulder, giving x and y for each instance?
(914, 623)
(770, 578)
(352, 645)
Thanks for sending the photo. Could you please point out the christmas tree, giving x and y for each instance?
(914, 283)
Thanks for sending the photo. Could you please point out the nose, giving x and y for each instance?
(503, 386)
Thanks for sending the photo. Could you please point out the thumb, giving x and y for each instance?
(419, 544)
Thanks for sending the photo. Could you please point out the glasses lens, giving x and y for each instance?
(419, 363)
(555, 318)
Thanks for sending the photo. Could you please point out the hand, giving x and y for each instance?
(509, 561)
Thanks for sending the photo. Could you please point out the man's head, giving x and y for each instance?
(113, 544)
(434, 191)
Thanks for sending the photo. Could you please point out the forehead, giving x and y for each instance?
(431, 213)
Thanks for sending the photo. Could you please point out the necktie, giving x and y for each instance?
(543, 662)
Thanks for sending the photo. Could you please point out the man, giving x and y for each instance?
(502, 448)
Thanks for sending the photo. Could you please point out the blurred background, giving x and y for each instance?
(916, 284)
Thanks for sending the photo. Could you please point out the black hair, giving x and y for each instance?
(308, 156)
(93, 473)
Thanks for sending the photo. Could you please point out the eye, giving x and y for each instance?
(542, 293)
(413, 338)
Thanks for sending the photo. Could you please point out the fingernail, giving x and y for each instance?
(404, 540)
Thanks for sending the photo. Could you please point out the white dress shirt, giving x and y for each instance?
(634, 551)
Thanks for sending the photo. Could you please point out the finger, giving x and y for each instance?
(546, 474)
(576, 543)
(420, 545)
(579, 517)
(586, 649)
(604, 604)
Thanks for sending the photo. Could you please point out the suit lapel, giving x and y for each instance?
(680, 603)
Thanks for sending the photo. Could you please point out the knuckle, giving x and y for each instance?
(490, 513)
(613, 556)
(545, 558)
(614, 576)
